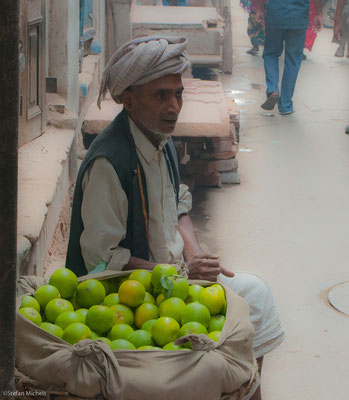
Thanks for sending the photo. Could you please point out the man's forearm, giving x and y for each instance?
(138, 263)
(339, 10)
(259, 5)
(191, 243)
(318, 6)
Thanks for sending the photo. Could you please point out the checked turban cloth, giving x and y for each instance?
(143, 60)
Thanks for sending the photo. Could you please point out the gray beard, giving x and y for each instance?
(160, 137)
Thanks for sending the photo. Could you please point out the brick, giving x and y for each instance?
(195, 148)
(208, 180)
(230, 177)
(226, 155)
(234, 134)
(222, 145)
(206, 167)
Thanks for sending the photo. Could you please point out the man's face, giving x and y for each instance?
(154, 107)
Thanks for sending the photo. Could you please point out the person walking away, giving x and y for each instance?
(255, 31)
(129, 209)
(337, 30)
(343, 21)
(179, 3)
(286, 23)
(310, 36)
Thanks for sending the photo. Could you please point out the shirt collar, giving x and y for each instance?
(143, 144)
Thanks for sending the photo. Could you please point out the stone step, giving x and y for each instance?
(44, 176)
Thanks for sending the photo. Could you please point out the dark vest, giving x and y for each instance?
(116, 144)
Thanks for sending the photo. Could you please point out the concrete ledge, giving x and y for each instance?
(43, 168)
(159, 17)
(206, 60)
(89, 69)
(23, 249)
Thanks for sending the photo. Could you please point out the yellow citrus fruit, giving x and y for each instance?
(148, 348)
(194, 291)
(214, 335)
(192, 328)
(178, 287)
(113, 285)
(165, 330)
(213, 299)
(196, 312)
(56, 307)
(173, 346)
(105, 340)
(216, 323)
(144, 312)
(44, 294)
(159, 299)
(76, 332)
(122, 314)
(224, 311)
(74, 302)
(111, 300)
(94, 335)
(105, 283)
(52, 328)
(100, 319)
(159, 271)
(220, 287)
(131, 293)
(121, 280)
(32, 314)
(148, 298)
(83, 313)
(29, 301)
(172, 307)
(140, 338)
(68, 317)
(90, 293)
(65, 281)
(122, 344)
(148, 325)
(120, 331)
(144, 277)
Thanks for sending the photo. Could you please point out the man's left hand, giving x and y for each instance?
(317, 25)
(206, 266)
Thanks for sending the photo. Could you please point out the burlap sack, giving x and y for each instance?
(211, 371)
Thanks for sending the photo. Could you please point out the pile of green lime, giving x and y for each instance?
(143, 310)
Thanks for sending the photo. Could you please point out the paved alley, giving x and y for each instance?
(288, 221)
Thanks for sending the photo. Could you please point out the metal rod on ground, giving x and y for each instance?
(9, 33)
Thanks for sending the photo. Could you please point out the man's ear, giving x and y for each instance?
(126, 99)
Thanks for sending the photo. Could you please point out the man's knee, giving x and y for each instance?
(246, 284)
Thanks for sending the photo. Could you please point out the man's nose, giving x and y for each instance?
(174, 105)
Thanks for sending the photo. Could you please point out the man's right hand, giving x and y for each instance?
(206, 266)
(337, 33)
(260, 17)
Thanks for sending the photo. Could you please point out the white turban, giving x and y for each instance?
(143, 60)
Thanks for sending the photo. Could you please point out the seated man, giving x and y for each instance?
(129, 209)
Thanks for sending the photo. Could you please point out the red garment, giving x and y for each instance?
(310, 35)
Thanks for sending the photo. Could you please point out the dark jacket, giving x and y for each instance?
(116, 144)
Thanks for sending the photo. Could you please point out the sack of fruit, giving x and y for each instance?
(135, 335)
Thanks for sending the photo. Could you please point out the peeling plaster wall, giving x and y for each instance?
(63, 48)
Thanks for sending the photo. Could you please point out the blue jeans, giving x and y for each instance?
(273, 47)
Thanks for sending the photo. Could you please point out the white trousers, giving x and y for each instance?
(269, 332)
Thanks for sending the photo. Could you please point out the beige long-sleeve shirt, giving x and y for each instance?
(105, 206)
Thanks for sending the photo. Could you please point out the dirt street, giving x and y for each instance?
(288, 221)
